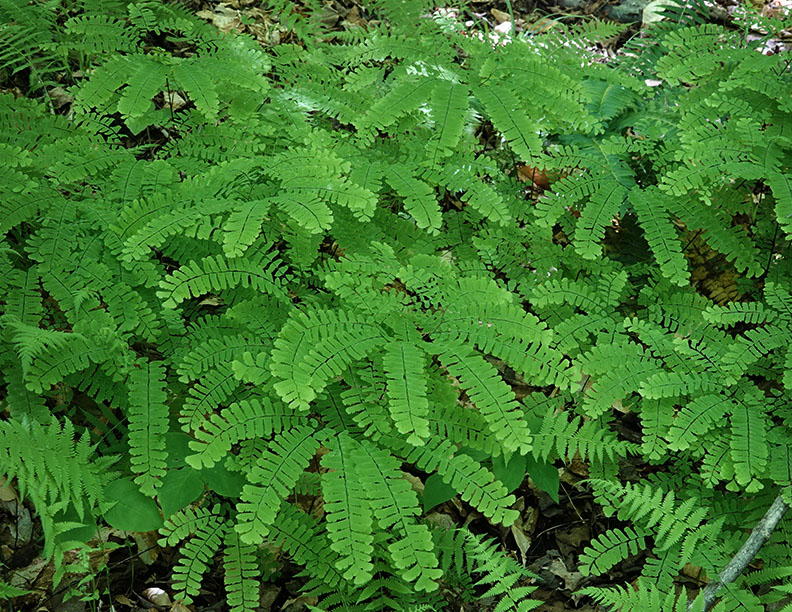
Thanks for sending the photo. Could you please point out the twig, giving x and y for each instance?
(760, 534)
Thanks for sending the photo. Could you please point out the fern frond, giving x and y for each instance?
(55, 470)
(308, 545)
(419, 199)
(196, 554)
(244, 226)
(749, 447)
(476, 484)
(646, 597)
(187, 522)
(218, 274)
(276, 472)
(395, 505)
(507, 115)
(449, 105)
(245, 420)
(602, 207)
(610, 548)
(214, 388)
(492, 396)
(148, 424)
(241, 574)
(55, 363)
(695, 419)
(782, 192)
(349, 520)
(409, 407)
(660, 233)
(500, 572)
(310, 349)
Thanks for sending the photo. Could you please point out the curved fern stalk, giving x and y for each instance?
(148, 424)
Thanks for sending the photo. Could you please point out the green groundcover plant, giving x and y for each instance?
(319, 272)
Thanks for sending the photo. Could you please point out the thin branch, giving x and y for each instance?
(760, 534)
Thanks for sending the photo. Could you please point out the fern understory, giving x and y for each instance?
(268, 301)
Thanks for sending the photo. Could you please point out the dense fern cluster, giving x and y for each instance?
(316, 273)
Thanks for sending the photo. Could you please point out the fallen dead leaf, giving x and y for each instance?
(157, 596)
(224, 18)
(559, 569)
(500, 15)
(124, 601)
(522, 540)
(7, 491)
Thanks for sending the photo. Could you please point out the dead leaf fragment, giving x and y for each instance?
(500, 15)
(157, 596)
(174, 101)
(559, 569)
(59, 97)
(224, 18)
(522, 540)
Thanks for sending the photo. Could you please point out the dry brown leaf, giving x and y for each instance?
(500, 16)
(522, 540)
(157, 596)
(124, 601)
(224, 18)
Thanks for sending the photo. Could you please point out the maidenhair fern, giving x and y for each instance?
(319, 273)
